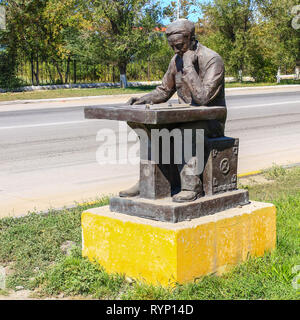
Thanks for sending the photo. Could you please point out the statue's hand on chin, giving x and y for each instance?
(189, 59)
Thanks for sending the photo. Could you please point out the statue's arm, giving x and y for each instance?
(161, 93)
(204, 91)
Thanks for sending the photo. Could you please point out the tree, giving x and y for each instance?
(228, 24)
(255, 36)
(120, 30)
(65, 21)
(43, 30)
(185, 9)
(26, 26)
(8, 54)
(8, 64)
(280, 38)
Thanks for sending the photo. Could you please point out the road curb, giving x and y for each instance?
(249, 174)
(255, 173)
(68, 99)
(264, 87)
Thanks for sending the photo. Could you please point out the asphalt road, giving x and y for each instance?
(48, 150)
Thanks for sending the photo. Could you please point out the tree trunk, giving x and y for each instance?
(32, 70)
(95, 74)
(68, 70)
(113, 74)
(59, 72)
(75, 71)
(37, 73)
(148, 71)
(42, 73)
(123, 78)
(49, 72)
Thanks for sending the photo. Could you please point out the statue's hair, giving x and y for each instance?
(181, 26)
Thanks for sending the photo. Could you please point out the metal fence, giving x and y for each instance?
(80, 72)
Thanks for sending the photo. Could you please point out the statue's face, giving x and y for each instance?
(179, 43)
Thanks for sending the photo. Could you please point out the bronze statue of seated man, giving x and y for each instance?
(196, 73)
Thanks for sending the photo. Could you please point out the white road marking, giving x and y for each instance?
(266, 105)
(44, 124)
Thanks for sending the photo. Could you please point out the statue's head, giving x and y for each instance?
(181, 36)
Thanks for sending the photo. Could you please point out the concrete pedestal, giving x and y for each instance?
(166, 253)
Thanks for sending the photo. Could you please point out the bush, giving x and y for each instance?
(8, 66)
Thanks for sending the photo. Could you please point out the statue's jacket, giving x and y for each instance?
(202, 85)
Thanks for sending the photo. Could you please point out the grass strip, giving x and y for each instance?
(68, 93)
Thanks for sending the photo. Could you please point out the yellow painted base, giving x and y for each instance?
(166, 253)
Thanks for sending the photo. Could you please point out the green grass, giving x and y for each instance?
(286, 184)
(67, 93)
(34, 242)
(275, 172)
(4, 292)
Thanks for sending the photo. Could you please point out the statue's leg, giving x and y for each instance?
(191, 184)
(131, 192)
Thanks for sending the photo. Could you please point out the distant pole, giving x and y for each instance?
(2, 18)
(278, 75)
(178, 9)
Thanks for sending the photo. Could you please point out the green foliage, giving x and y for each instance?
(121, 31)
(275, 172)
(255, 36)
(185, 10)
(33, 243)
(75, 275)
(162, 55)
(228, 31)
(279, 38)
(8, 63)
(283, 186)
(4, 292)
(52, 37)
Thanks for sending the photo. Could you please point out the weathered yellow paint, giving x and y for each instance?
(166, 253)
(248, 174)
(127, 247)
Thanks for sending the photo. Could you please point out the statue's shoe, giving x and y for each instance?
(186, 196)
(131, 192)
